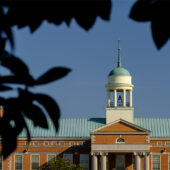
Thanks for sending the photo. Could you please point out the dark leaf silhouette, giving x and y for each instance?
(33, 14)
(91, 20)
(52, 75)
(51, 107)
(31, 110)
(158, 13)
(160, 33)
(14, 64)
(36, 115)
(141, 11)
(5, 88)
(8, 141)
(2, 46)
(4, 27)
(9, 34)
(24, 80)
(2, 101)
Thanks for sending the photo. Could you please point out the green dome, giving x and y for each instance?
(119, 71)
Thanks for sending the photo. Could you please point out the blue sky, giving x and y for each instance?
(92, 55)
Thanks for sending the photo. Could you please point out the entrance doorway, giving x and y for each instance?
(120, 162)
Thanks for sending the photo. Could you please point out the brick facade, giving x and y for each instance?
(77, 146)
(76, 150)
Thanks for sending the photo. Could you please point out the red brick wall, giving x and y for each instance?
(119, 127)
(112, 138)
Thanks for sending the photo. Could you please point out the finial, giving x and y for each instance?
(119, 64)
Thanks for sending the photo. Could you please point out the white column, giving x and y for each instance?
(137, 162)
(115, 98)
(124, 98)
(103, 161)
(146, 162)
(108, 98)
(94, 162)
(130, 98)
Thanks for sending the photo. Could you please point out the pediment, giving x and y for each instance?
(120, 126)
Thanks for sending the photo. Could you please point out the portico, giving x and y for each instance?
(113, 146)
(119, 161)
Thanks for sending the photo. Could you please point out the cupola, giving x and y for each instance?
(119, 92)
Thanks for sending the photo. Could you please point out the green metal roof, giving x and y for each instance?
(68, 128)
(119, 71)
(81, 127)
(159, 127)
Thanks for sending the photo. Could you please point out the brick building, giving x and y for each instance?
(117, 142)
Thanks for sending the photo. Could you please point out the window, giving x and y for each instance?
(167, 143)
(35, 161)
(84, 161)
(61, 143)
(80, 143)
(72, 143)
(120, 140)
(46, 143)
(36, 143)
(18, 162)
(51, 157)
(155, 162)
(159, 143)
(27, 143)
(54, 143)
(68, 156)
(1, 159)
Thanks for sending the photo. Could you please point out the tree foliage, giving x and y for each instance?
(157, 12)
(60, 164)
(27, 103)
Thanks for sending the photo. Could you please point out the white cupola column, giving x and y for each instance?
(130, 98)
(124, 97)
(115, 98)
(108, 98)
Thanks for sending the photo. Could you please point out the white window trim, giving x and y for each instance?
(81, 142)
(72, 141)
(120, 142)
(50, 154)
(60, 143)
(31, 160)
(28, 144)
(34, 143)
(161, 143)
(53, 143)
(47, 142)
(14, 159)
(152, 159)
(166, 143)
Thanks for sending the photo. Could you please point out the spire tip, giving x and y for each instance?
(119, 64)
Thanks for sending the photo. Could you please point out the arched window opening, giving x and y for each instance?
(120, 140)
